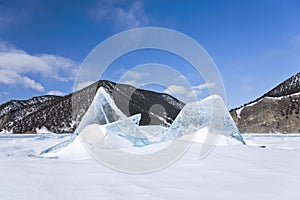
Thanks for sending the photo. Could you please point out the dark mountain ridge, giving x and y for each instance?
(276, 111)
(63, 114)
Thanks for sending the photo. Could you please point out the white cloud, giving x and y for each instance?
(136, 78)
(13, 78)
(197, 90)
(181, 78)
(187, 93)
(33, 85)
(56, 92)
(16, 65)
(203, 86)
(7, 47)
(133, 75)
(132, 17)
(175, 89)
(133, 83)
(193, 93)
(8, 77)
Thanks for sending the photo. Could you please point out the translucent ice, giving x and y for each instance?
(210, 112)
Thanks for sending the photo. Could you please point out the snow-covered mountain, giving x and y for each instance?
(276, 111)
(16, 110)
(288, 87)
(55, 113)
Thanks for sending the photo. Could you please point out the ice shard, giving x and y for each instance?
(193, 117)
(210, 112)
(102, 110)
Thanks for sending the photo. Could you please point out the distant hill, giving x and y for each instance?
(55, 112)
(276, 111)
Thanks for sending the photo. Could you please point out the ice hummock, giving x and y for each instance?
(193, 117)
(197, 115)
(102, 110)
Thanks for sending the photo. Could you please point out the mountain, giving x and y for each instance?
(276, 111)
(62, 114)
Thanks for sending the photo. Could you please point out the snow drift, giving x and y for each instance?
(120, 131)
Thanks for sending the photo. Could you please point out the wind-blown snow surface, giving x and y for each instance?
(229, 172)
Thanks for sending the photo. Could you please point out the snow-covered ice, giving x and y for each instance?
(193, 117)
(229, 172)
(266, 168)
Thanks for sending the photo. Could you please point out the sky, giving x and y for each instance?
(255, 44)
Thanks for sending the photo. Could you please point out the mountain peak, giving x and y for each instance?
(276, 111)
(63, 114)
(288, 87)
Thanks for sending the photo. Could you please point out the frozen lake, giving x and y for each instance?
(229, 172)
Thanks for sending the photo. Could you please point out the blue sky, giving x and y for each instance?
(255, 43)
